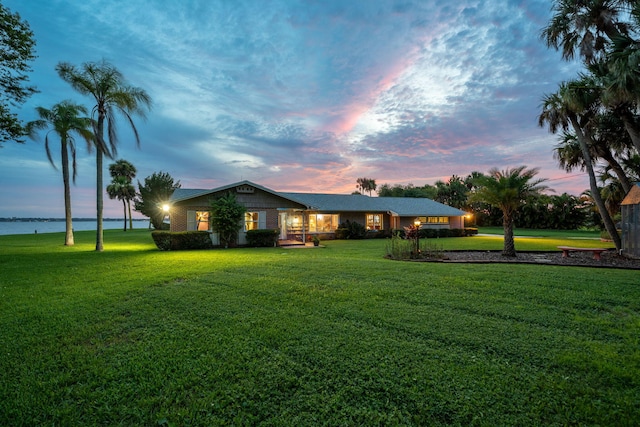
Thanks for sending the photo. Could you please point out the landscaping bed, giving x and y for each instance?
(608, 259)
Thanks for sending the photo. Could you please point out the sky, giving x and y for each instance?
(297, 95)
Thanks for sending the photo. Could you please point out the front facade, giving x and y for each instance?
(300, 215)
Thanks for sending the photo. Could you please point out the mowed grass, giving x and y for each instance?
(328, 336)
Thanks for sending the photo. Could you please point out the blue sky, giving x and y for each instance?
(298, 95)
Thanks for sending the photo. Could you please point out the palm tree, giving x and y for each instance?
(112, 95)
(366, 184)
(65, 120)
(122, 189)
(124, 169)
(508, 190)
(572, 106)
(585, 26)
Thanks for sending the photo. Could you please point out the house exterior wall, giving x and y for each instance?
(631, 230)
(274, 208)
(259, 200)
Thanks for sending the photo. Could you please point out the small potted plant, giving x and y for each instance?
(316, 241)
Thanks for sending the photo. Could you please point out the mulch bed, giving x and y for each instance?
(610, 259)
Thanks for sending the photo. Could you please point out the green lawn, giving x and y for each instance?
(328, 336)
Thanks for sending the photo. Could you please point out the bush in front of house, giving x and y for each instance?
(470, 231)
(351, 230)
(181, 240)
(432, 233)
(262, 238)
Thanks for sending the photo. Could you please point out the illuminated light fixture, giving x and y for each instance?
(165, 207)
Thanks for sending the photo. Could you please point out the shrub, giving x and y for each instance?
(182, 240)
(226, 216)
(351, 230)
(470, 231)
(262, 238)
(399, 248)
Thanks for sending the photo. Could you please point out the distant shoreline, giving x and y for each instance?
(62, 219)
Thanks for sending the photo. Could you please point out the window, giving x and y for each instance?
(323, 222)
(374, 221)
(251, 221)
(438, 220)
(255, 220)
(198, 220)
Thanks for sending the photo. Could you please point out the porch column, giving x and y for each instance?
(304, 233)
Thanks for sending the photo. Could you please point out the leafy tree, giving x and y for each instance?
(226, 217)
(17, 50)
(113, 96)
(122, 173)
(65, 120)
(155, 192)
(508, 190)
(409, 190)
(453, 192)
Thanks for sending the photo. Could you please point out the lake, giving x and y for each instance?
(51, 226)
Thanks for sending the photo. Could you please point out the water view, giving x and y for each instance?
(31, 226)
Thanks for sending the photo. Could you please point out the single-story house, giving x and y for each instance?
(630, 210)
(299, 215)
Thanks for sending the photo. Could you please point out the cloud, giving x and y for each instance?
(307, 96)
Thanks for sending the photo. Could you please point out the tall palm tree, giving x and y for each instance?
(112, 95)
(572, 106)
(508, 190)
(604, 34)
(124, 169)
(65, 120)
(586, 27)
(122, 189)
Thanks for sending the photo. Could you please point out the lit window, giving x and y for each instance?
(202, 220)
(323, 222)
(438, 220)
(374, 222)
(251, 221)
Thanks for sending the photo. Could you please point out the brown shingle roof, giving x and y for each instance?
(633, 196)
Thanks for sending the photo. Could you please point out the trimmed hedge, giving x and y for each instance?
(430, 233)
(263, 238)
(181, 240)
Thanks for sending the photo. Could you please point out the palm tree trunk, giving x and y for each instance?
(130, 218)
(68, 238)
(593, 185)
(124, 208)
(99, 201)
(617, 169)
(509, 244)
(632, 130)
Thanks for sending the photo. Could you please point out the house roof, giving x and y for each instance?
(181, 194)
(633, 196)
(401, 206)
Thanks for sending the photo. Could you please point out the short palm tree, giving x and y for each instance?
(124, 169)
(65, 119)
(508, 190)
(112, 95)
(122, 189)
